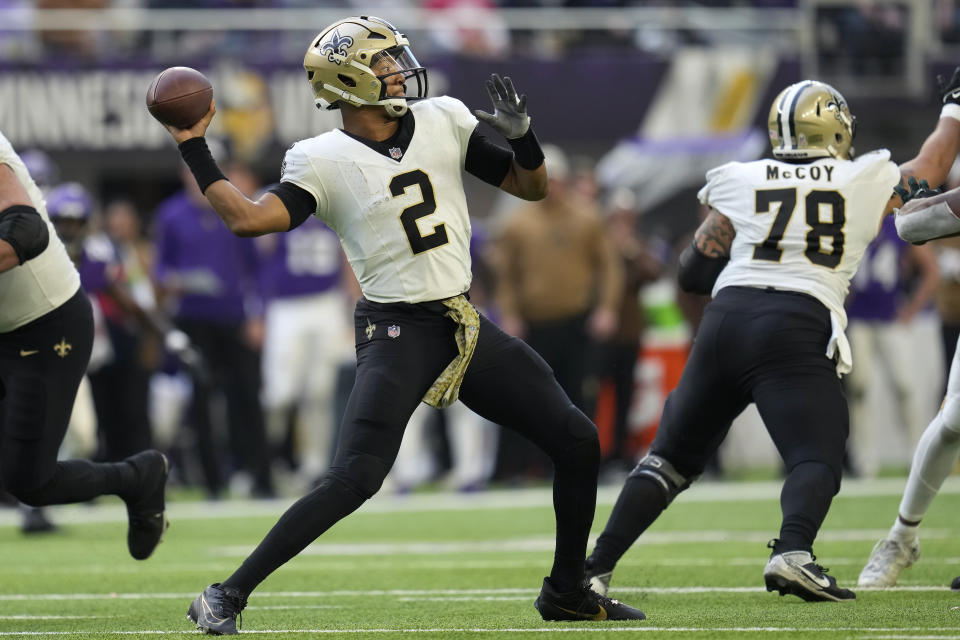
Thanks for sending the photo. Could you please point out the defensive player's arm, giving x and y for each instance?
(23, 233)
(932, 163)
(701, 263)
(922, 219)
(243, 216)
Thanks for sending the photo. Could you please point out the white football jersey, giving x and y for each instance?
(42, 284)
(403, 224)
(802, 227)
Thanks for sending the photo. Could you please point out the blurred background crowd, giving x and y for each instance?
(200, 348)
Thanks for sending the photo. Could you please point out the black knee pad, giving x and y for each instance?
(362, 473)
(663, 474)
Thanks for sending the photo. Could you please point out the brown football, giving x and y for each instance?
(179, 96)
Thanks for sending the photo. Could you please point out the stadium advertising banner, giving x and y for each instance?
(103, 109)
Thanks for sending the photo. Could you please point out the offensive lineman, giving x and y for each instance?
(46, 333)
(390, 184)
(777, 251)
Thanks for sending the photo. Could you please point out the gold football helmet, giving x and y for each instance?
(811, 119)
(352, 59)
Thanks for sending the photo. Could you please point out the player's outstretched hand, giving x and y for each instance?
(950, 90)
(197, 130)
(917, 189)
(509, 115)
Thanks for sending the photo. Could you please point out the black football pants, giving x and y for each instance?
(41, 365)
(401, 349)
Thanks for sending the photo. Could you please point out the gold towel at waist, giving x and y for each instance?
(446, 388)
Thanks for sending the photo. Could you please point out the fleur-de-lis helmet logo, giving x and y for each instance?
(336, 47)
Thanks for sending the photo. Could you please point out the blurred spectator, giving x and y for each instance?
(307, 335)
(69, 44)
(467, 27)
(210, 276)
(881, 309)
(617, 355)
(866, 39)
(118, 377)
(560, 281)
(40, 164)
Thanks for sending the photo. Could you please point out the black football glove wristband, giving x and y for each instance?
(527, 150)
(196, 154)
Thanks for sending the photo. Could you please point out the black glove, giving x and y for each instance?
(950, 91)
(917, 189)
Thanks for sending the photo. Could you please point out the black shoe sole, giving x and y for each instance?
(785, 587)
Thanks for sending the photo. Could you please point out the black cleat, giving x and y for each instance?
(216, 611)
(796, 573)
(581, 605)
(955, 585)
(145, 505)
(35, 520)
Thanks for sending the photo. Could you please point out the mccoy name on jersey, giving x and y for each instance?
(802, 227)
(42, 284)
(402, 220)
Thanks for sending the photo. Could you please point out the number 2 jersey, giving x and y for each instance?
(802, 227)
(402, 220)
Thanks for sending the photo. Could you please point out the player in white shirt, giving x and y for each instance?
(46, 333)
(777, 251)
(926, 215)
(390, 184)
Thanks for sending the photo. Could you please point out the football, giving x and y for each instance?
(179, 96)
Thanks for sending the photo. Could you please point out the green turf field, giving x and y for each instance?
(437, 565)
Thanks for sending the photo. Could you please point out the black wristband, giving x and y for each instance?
(196, 154)
(527, 151)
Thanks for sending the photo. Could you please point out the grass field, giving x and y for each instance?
(436, 565)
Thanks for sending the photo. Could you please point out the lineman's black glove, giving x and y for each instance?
(917, 189)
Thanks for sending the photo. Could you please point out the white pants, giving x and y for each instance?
(936, 453)
(473, 449)
(305, 340)
(888, 349)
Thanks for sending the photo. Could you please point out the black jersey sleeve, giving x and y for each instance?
(299, 202)
(487, 161)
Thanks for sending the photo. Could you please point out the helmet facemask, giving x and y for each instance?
(355, 61)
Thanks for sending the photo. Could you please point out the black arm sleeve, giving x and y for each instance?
(299, 202)
(487, 161)
(697, 272)
(25, 230)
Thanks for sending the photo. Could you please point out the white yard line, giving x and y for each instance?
(580, 629)
(546, 543)
(411, 593)
(112, 510)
